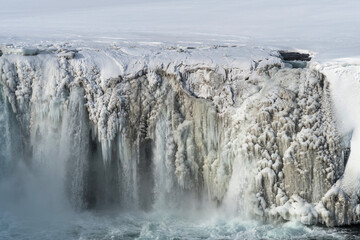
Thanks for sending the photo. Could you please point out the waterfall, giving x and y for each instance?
(258, 141)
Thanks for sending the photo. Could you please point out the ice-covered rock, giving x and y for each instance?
(25, 51)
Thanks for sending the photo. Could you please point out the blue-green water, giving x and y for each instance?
(139, 225)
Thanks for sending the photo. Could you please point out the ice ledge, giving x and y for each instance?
(24, 51)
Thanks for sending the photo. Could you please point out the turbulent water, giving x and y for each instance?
(113, 145)
(160, 226)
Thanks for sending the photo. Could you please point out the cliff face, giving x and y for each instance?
(259, 139)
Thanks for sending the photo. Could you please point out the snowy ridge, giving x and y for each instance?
(156, 128)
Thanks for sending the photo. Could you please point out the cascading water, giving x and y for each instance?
(80, 133)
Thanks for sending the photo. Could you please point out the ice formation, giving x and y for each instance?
(150, 132)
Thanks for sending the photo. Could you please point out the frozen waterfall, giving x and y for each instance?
(108, 128)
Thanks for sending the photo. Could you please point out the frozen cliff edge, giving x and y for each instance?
(163, 128)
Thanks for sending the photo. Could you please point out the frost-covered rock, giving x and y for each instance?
(25, 51)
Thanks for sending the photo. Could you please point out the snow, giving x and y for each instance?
(344, 75)
(327, 28)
